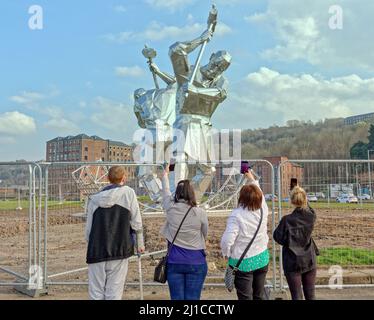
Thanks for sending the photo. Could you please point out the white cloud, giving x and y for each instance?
(16, 123)
(268, 97)
(27, 98)
(59, 121)
(62, 126)
(301, 32)
(134, 71)
(171, 5)
(157, 31)
(113, 116)
(120, 37)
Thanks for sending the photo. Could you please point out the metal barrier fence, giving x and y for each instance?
(36, 250)
(340, 191)
(21, 224)
(64, 234)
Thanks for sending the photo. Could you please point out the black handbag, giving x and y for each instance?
(160, 274)
(229, 277)
(316, 250)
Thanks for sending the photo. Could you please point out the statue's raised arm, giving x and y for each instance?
(179, 51)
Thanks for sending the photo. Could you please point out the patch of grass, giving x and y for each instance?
(10, 205)
(144, 199)
(346, 257)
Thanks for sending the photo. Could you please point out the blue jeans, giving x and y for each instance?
(186, 280)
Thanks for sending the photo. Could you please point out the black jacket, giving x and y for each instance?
(294, 233)
(114, 225)
(110, 236)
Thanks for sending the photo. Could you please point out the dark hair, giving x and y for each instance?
(186, 192)
(250, 197)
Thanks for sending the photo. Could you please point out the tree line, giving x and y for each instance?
(324, 139)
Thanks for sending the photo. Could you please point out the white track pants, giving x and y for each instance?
(106, 280)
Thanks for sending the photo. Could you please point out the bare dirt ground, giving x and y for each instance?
(67, 249)
(80, 293)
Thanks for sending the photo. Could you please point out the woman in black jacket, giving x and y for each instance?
(294, 233)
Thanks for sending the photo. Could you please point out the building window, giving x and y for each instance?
(85, 157)
(85, 148)
(102, 150)
(102, 159)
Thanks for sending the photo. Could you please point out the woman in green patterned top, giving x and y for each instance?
(241, 228)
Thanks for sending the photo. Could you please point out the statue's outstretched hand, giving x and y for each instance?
(153, 67)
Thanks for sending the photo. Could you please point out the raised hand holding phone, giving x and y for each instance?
(250, 175)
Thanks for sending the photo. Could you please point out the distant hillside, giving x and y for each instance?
(329, 139)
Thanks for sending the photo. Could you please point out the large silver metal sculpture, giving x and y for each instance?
(198, 91)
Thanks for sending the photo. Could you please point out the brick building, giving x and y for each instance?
(289, 171)
(82, 148)
(119, 152)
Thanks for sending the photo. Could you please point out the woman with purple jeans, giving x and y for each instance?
(187, 266)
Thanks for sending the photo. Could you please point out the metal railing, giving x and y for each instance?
(344, 230)
(52, 188)
(28, 277)
(62, 181)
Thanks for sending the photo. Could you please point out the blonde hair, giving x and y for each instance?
(299, 198)
(116, 174)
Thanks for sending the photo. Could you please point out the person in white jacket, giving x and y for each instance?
(114, 227)
(241, 227)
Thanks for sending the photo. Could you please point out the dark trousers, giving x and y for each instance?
(251, 285)
(307, 280)
(186, 280)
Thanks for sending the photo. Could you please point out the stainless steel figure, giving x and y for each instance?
(197, 99)
(198, 92)
(155, 111)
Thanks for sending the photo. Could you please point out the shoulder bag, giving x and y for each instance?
(230, 271)
(160, 274)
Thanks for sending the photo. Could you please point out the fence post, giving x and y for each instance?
(280, 196)
(46, 223)
(273, 227)
(140, 270)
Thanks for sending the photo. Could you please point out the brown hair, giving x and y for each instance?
(299, 198)
(186, 192)
(250, 197)
(116, 174)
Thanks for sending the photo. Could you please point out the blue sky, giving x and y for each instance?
(77, 75)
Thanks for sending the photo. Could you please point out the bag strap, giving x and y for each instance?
(250, 243)
(180, 226)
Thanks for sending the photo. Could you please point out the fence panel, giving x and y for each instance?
(341, 193)
(68, 185)
(21, 193)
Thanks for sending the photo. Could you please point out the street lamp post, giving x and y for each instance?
(369, 172)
